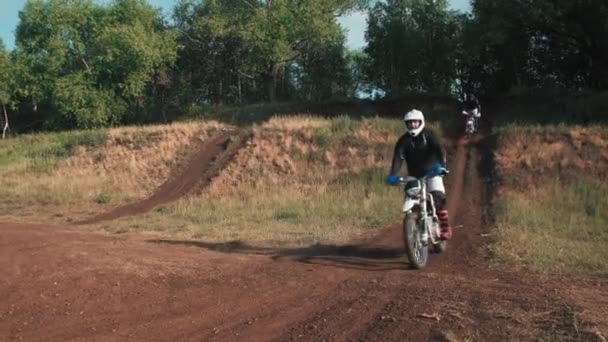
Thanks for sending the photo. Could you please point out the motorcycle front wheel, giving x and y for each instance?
(416, 251)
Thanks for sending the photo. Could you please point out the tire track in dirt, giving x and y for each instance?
(359, 313)
(69, 284)
(416, 310)
(458, 296)
(206, 162)
(345, 312)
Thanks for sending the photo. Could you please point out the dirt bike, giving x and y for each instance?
(469, 128)
(421, 229)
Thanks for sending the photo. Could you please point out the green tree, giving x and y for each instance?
(542, 43)
(235, 50)
(322, 73)
(469, 69)
(411, 46)
(79, 55)
(7, 86)
(212, 66)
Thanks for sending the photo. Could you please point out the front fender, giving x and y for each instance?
(410, 203)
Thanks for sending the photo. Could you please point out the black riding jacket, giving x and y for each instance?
(471, 104)
(420, 153)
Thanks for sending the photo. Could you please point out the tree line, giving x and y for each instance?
(85, 64)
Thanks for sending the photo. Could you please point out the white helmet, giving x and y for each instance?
(414, 115)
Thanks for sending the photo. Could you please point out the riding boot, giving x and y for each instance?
(446, 230)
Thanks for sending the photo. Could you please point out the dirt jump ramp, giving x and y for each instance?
(205, 163)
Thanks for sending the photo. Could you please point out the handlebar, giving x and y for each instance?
(403, 180)
(436, 171)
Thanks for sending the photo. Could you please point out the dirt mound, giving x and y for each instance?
(134, 161)
(208, 160)
(304, 152)
(529, 154)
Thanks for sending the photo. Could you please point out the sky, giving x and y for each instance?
(354, 24)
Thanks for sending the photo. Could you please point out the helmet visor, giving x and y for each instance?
(413, 124)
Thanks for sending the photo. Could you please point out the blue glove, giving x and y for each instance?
(392, 180)
(438, 170)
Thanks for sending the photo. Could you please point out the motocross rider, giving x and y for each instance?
(421, 148)
(472, 107)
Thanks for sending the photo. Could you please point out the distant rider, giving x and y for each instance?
(471, 107)
(422, 150)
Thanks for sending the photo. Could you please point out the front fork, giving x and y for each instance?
(427, 218)
(433, 223)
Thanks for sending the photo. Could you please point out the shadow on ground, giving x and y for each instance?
(347, 256)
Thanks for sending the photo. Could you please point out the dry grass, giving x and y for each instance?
(559, 228)
(136, 160)
(298, 181)
(551, 213)
(71, 170)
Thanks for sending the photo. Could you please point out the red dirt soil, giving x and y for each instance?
(59, 283)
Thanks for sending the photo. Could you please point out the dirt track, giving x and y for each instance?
(205, 163)
(62, 284)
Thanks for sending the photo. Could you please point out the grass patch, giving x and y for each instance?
(339, 131)
(73, 171)
(352, 206)
(28, 164)
(558, 229)
(41, 152)
(521, 129)
(260, 112)
(143, 136)
(292, 212)
(551, 215)
(103, 198)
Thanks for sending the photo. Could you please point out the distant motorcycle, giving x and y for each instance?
(421, 229)
(470, 127)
